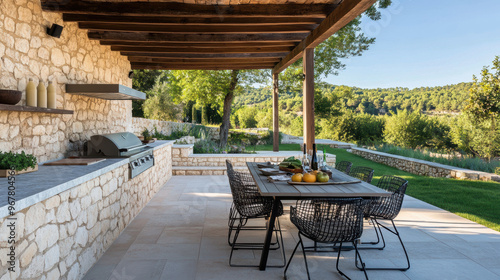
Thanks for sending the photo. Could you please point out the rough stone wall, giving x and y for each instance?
(63, 236)
(422, 167)
(182, 156)
(26, 51)
(166, 127)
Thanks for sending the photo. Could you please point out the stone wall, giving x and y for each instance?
(184, 161)
(63, 236)
(422, 167)
(26, 51)
(166, 127)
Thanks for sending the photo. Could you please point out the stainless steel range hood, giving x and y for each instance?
(106, 91)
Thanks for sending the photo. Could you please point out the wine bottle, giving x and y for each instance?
(305, 160)
(314, 160)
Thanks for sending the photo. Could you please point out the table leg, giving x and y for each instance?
(269, 234)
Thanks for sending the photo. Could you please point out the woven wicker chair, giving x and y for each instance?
(363, 173)
(328, 221)
(344, 166)
(387, 208)
(249, 204)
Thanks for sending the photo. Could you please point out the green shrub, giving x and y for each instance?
(207, 147)
(198, 131)
(350, 127)
(19, 161)
(407, 129)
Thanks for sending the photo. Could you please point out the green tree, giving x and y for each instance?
(483, 106)
(215, 87)
(160, 105)
(144, 80)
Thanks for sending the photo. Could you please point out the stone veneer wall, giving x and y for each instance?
(182, 156)
(63, 236)
(26, 51)
(422, 167)
(165, 127)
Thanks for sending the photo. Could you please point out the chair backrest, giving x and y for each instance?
(344, 166)
(389, 207)
(363, 173)
(329, 220)
(246, 197)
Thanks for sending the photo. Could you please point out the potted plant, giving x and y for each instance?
(22, 162)
(147, 137)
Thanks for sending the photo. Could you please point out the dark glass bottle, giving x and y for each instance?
(305, 160)
(314, 160)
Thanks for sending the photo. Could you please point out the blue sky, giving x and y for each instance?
(426, 43)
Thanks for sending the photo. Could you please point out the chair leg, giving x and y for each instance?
(395, 232)
(305, 258)
(360, 259)
(255, 246)
(380, 237)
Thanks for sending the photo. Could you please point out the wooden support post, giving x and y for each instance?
(276, 127)
(308, 97)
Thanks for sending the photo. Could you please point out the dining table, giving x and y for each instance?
(340, 185)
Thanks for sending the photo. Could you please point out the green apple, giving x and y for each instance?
(322, 177)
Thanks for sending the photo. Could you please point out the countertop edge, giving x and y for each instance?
(43, 195)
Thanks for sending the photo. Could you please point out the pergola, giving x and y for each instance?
(217, 35)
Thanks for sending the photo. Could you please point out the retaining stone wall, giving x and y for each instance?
(166, 127)
(182, 156)
(422, 167)
(63, 236)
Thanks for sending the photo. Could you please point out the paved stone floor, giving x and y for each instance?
(181, 234)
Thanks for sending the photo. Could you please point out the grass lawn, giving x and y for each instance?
(477, 201)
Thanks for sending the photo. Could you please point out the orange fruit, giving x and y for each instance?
(309, 177)
(297, 177)
(315, 172)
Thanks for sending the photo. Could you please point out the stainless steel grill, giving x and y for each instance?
(122, 145)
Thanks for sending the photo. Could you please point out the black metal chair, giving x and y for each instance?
(363, 173)
(344, 166)
(328, 221)
(386, 208)
(249, 204)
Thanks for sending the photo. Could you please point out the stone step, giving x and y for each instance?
(203, 170)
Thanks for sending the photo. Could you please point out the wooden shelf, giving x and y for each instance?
(5, 107)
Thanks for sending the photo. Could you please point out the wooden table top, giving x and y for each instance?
(284, 190)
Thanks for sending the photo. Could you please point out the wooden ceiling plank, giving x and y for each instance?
(342, 15)
(197, 45)
(196, 38)
(141, 8)
(203, 60)
(68, 17)
(201, 67)
(204, 55)
(201, 50)
(197, 29)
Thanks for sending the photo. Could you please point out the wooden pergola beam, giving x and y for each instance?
(308, 98)
(341, 16)
(195, 38)
(161, 20)
(201, 61)
(141, 8)
(204, 55)
(196, 45)
(198, 29)
(203, 67)
(276, 127)
(201, 50)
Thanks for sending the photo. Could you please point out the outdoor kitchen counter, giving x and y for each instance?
(49, 181)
